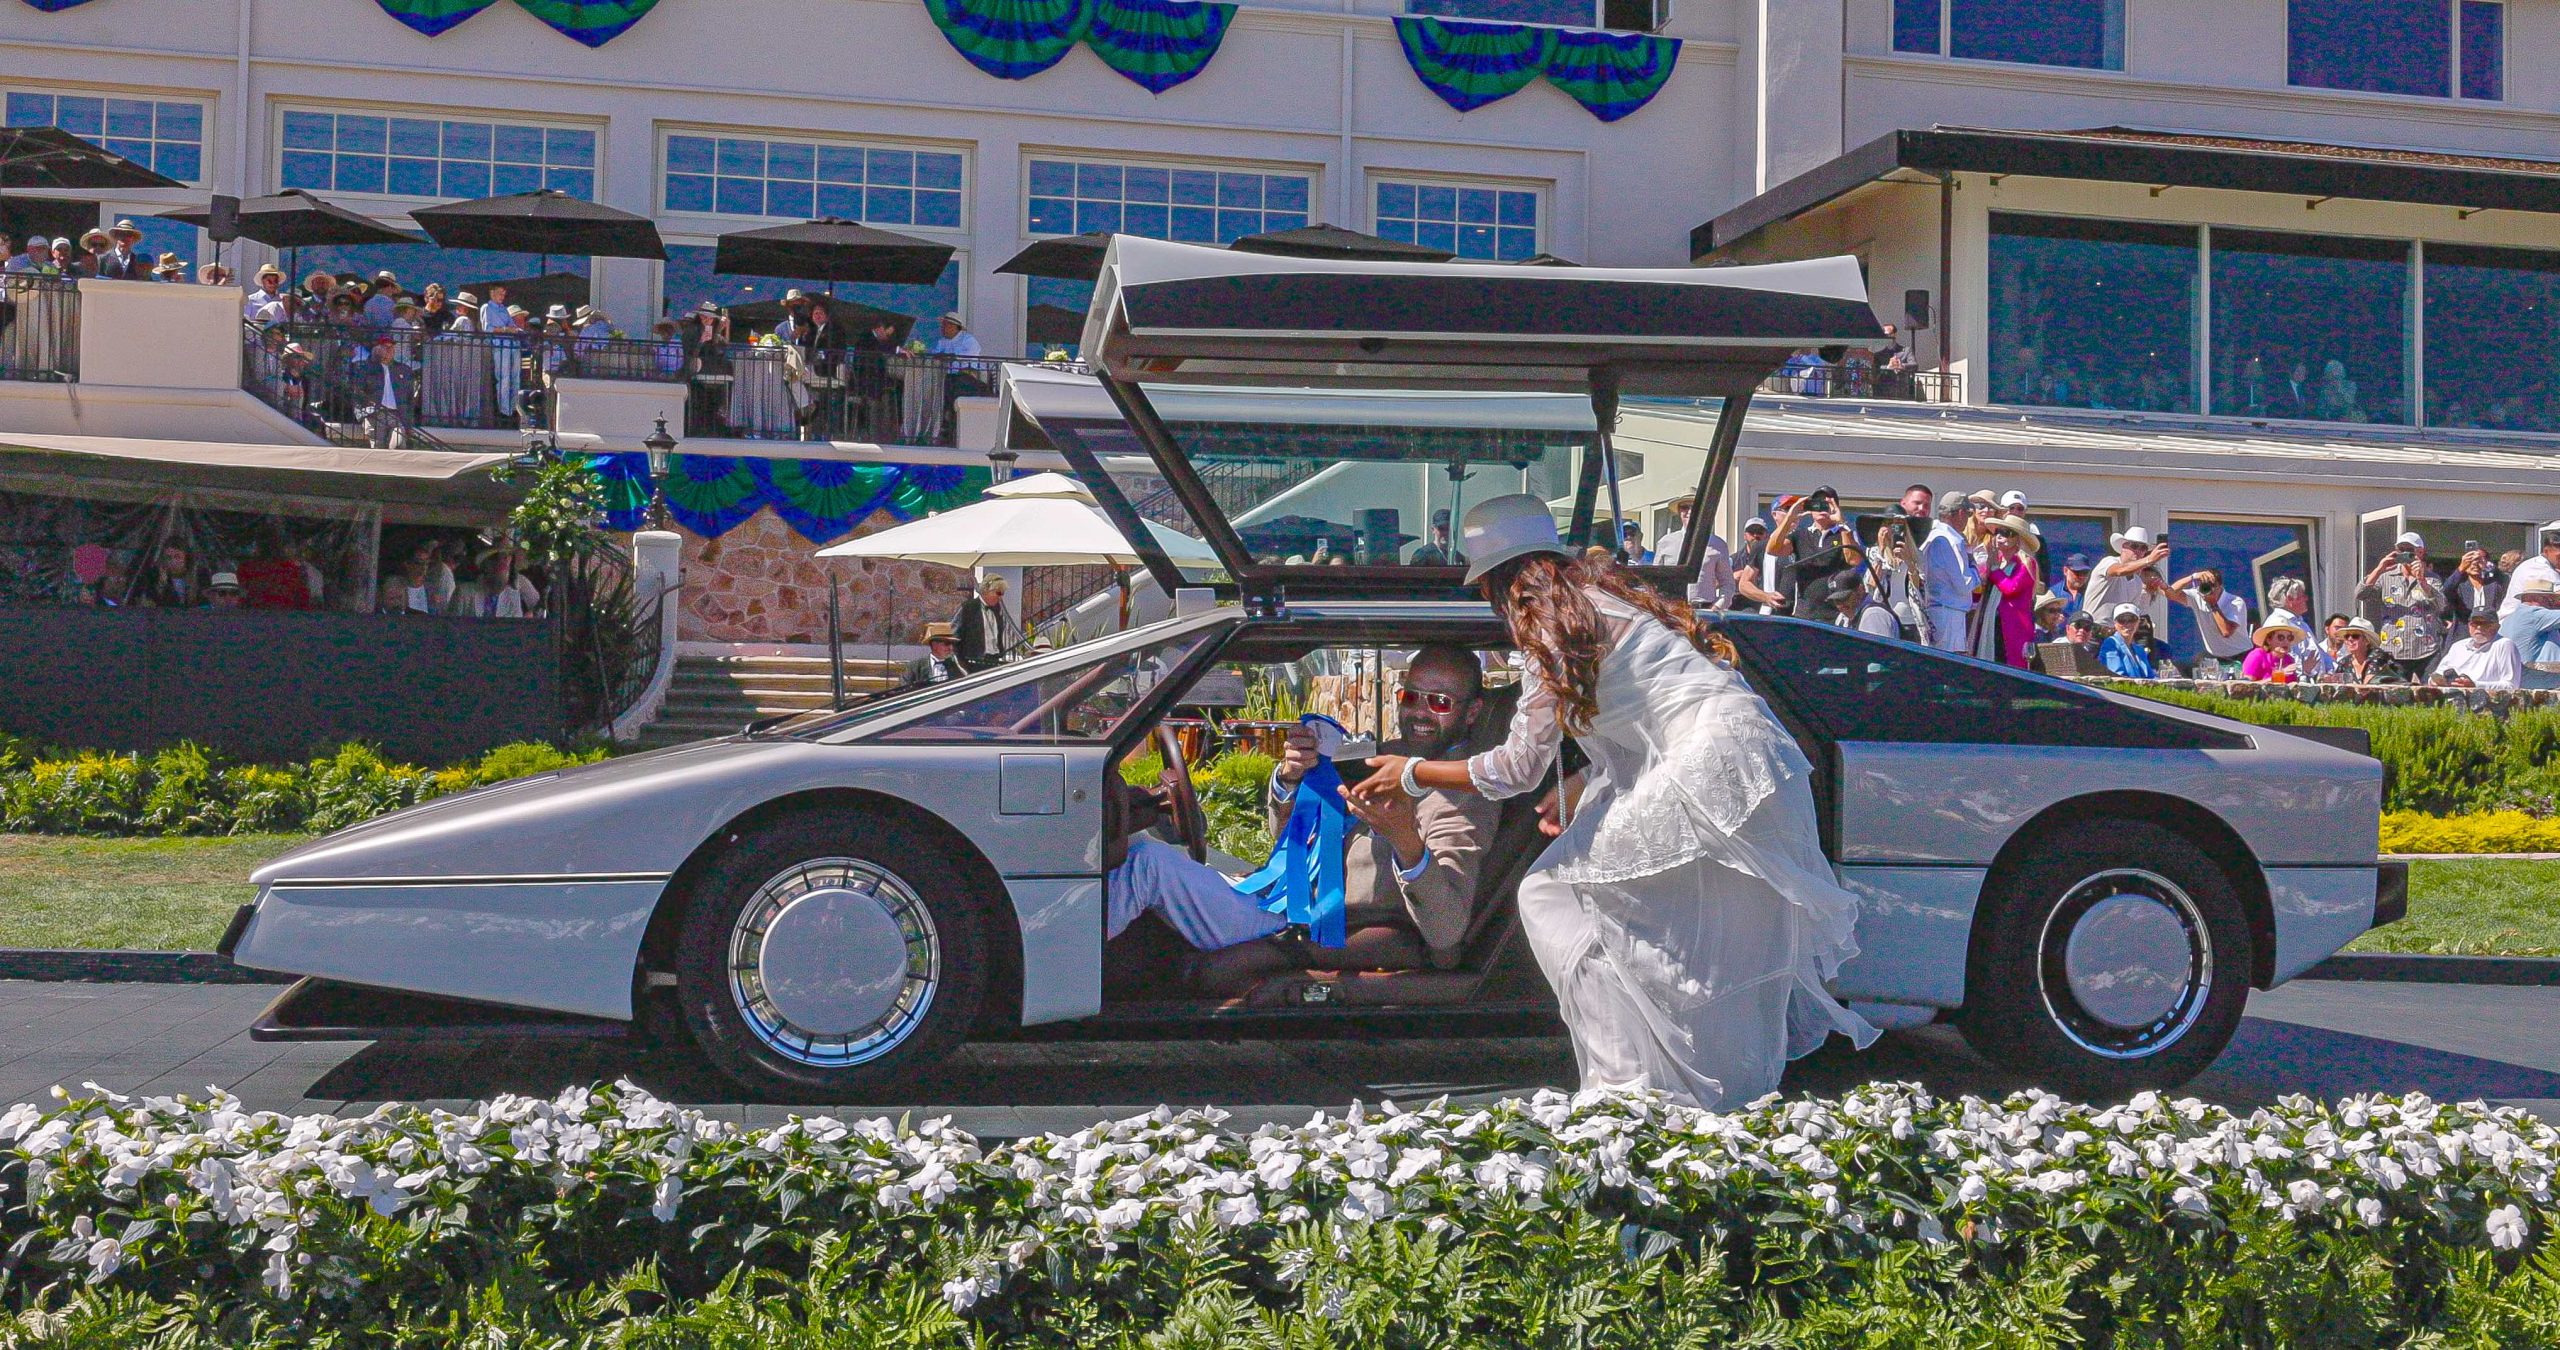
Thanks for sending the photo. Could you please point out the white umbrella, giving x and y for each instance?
(1046, 520)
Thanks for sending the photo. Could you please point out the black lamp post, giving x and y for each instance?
(661, 447)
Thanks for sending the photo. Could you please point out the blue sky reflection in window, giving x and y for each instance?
(887, 186)
(1479, 224)
(431, 157)
(2083, 33)
(1192, 205)
(164, 135)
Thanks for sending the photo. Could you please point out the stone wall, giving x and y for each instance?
(762, 582)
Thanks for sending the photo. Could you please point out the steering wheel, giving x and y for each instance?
(1190, 823)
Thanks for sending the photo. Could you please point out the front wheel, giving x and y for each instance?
(2117, 959)
(824, 955)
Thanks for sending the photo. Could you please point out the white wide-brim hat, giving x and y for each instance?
(2131, 534)
(1499, 529)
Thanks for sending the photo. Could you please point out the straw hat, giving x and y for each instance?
(940, 632)
(95, 237)
(125, 228)
(2292, 632)
(1499, 529)
(2028, 543)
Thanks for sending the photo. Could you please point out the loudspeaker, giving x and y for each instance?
(222, 220)
(1379, 535)
(1915, 308)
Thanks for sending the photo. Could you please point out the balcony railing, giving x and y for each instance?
(39, 327)
(1830, 380)
(769, 393)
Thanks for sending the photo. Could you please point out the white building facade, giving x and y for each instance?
(2117, 319)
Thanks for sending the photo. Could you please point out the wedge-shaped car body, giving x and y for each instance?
(2088, 883)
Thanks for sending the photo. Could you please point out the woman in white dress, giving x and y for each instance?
(1684, 914)
(456, 383)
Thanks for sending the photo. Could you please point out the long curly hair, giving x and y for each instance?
(1545, 600)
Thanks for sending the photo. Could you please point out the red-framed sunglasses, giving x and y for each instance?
(1439, 703)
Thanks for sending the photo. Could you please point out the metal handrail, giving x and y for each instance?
(39, 327)
(1826, 379)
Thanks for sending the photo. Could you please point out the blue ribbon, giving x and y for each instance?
(1302, 882)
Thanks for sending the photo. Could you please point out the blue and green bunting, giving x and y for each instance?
(1157, 43)
(821, 499)
(594, 24)
(1612, 74)
(1011, 39)
(1472, 64)
(432, 17)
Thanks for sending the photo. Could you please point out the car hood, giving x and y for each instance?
(606, 818)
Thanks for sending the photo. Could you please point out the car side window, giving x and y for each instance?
(1850, 687)
(1077, 703)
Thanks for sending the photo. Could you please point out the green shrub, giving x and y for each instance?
(1231, 789)
(90, 793)
(522, 759)
(357, 784)
(185, 795)
(267, 799)
(2486, 832)
(2444, 760)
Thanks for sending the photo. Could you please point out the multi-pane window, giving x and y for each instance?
(2431, 48)
(2093, 314)
(1479, 224)
(2310, 327)
(433, 157)
(2087, 33)
(805, 180)
(1194, 205)
(2493, 328)
(164, 134)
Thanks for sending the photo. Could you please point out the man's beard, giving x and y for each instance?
(1432, 748)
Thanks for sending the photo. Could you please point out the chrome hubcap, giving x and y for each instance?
(2125, 963)
(834, 962)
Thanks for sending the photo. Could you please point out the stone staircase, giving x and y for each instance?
(717, 695)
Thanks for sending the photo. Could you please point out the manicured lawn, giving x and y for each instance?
(2484, 907)
(176, 894)
(142, 894)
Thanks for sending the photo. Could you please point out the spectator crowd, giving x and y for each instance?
(1966, 572)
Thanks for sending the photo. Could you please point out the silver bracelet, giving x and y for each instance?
(1406, 780)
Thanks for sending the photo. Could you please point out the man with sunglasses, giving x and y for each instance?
(1409, 866)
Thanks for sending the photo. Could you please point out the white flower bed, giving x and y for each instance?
(170, 1194)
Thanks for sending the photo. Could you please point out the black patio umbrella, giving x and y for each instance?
(49, 158)
(1075, 257)
(294, 219)
(1333, 241)
(1053, 323)
(547, 222)
(1545, 260)
(832, 250)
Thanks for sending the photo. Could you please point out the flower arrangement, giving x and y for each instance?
(2156, 1221)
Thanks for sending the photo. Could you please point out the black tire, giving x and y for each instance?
(877, 884)
(2073, 977)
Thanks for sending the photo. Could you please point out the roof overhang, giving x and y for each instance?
(405, 477)
(1166, 313)
(2156, 159)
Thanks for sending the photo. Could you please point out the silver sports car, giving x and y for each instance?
(2088, 884)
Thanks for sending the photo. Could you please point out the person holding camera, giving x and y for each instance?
(2131, 577)
(2222, 619)
(2405, 607)
(1792, 543)
(2475, 587)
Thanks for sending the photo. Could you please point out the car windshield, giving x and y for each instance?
(1084, 702)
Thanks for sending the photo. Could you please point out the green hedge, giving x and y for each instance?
(2444, 761)
(187, 789)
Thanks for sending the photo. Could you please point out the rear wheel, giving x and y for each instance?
(823, 955)
(2115, 960)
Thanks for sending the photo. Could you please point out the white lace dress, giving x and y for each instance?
(1686, 917)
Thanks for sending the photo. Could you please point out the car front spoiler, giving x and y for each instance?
(2390, 892)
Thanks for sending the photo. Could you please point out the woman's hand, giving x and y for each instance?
(1385, 780)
